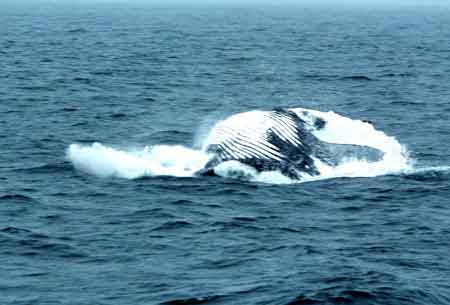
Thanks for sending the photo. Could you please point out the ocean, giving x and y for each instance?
(104, 112)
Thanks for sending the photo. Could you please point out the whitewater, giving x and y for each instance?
(180, 161)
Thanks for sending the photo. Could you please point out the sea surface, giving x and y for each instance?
(126, 79)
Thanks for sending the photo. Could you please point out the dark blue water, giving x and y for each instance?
(134, 75)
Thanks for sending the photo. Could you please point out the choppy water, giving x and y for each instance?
(130, 76)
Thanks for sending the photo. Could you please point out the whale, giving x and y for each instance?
(282, 140)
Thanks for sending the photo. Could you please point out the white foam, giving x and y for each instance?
(159, 160)
(236, 170)
(426, 169)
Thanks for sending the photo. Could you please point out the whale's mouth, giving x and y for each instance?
(376, 154)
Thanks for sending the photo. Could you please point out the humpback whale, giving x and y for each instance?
(280, 140)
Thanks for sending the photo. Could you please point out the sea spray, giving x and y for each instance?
(159, 160)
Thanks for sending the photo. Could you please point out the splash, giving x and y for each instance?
(180, 161)
(343, 130)
(159, 160)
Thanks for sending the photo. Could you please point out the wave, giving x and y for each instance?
(429, 173)
(193, 301)
(357, 77)
(181, 161)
